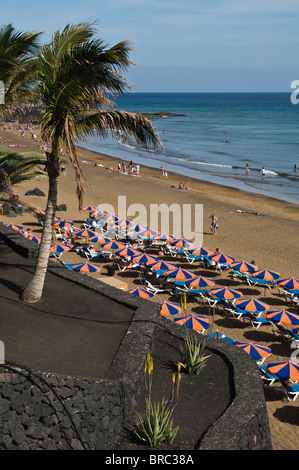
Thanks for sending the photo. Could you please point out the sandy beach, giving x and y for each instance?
(251, 227)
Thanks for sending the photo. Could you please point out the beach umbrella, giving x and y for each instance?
(295, 329)
(252, 305)
(60, 248)
(110, 218)
(164, 237)
(128, 251)
(182, 243)
(200, 281)
(113, 245)
(170, 308)
(216, 335)
(148, 234)
(201, 251)
(290, 283)
(194, 322)
(144, 258)
(256, 351)
(139, 228)
(226, 293)
(34, 238)
(88, 208)
(179, 273)
(15, 227)
(141, 293)
(283, 316)
(222, 258)
(98, 239)
(86, 267)
(125, 222)
(287, 370)
(63, 223)
(162, 265)
(244, 266)
(86, 233)
(266, 274)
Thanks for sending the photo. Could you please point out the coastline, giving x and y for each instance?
(270, 238)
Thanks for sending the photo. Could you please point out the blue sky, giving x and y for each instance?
(185, 46)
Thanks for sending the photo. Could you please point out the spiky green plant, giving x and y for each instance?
(157, 425)
(194, 358)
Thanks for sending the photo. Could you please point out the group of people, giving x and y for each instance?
(132, 170)
(183, 186)
(164, 173)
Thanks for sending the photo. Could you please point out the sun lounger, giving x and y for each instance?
(292, 299)
(191, 258)
(286, 336)
(253, 281)
(89, 253)
(292, 391)
(268, 379)
(123, 265)
(156, 289)
(257, 322)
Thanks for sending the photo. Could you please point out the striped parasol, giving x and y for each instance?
(244, 267)
(201, 251)
(179, 273)
(170, 308)
(266, 274)
(283, 316)
(144, 294)
(226, 293)
(200, 281)
(290, 283)
(256, 351)
(194, 322)
(222, 258)
(182, 243)
(287, 370)
(252, 305)
(85, 267)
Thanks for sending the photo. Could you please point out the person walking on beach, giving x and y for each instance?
(214, 224)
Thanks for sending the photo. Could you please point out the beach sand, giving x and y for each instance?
(251, 227)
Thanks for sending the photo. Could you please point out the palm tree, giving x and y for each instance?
(16, 167)
(17, 65)
(79, 76)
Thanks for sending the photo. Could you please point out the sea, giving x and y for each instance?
(211, 137)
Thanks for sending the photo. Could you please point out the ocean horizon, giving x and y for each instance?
(212, 136)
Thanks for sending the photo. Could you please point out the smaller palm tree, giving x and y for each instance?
(15, 167)
(17, 66)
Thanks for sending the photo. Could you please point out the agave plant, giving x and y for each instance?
(194, 358)
(157, 425)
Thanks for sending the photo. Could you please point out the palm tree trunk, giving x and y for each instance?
(33, 291)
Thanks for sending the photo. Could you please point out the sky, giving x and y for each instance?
(184, 46)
